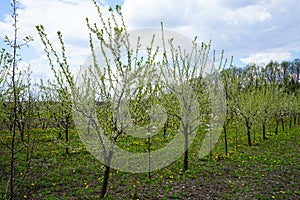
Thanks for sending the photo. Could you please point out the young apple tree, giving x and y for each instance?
(61, 107)
(14, 105)
(244, 99)
(112, 84)
(265, 98)
(192, 84)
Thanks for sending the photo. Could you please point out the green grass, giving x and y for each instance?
(268, 170)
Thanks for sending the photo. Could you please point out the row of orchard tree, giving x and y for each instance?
(253, 95)
(263, 95)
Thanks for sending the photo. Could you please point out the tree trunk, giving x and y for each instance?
(254, 136)
(276, 128)
(291, 121)
(295, 120)
(225, 138)
(12, 164)
(59, 135)
(22, 136)
(186, 153)
(249, 136)
(236, 138)
(106, 173)
(67, 139)
(282, 124)
(165, 130)
(105, 182)
(149, 157)
(264, 131)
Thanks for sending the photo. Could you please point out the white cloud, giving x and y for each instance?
(265, 58)
(247, 15)
(241, 28)
(67, 16)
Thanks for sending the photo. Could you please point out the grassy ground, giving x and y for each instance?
(268, 170)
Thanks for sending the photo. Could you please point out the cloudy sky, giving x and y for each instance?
(249, 30)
